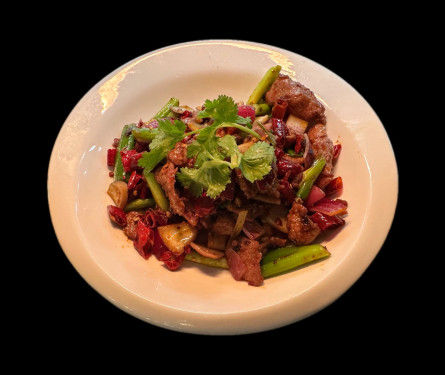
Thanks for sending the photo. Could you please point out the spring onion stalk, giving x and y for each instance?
(264, 85)
(286, 259)
(126, 142)
(193, 256)
(139, 204)
(261, 109)
(165, 110)
(156, 190)
(309, 177)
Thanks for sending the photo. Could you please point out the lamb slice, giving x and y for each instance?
(301, 229)
(251, 255)
(322, 146)
(302, 102)
(166, 177)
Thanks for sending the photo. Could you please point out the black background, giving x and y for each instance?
(372, 320)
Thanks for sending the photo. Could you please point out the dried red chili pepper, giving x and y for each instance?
(126, 159)
(284, 166)
(145, 240)
(111, 156)
(286, 191)
(298, 143)
(326, 222)
(279, 109)
(279, 130)
(133, 180)
(337, 149)
(171, 260)
(334, 186)
(117, 215)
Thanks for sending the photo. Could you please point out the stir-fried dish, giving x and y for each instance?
(244, 186)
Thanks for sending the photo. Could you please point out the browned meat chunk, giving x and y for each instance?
(131, 228)
(301, 229)
(251, 256)
(249, 189)
(178, 156)
(243, 257)
(224, 224)
(301, 100)
(322, 145)
(165, 176)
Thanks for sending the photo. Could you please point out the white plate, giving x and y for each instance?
(197, 299)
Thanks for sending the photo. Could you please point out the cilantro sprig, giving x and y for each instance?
(215, 157)
(167, 135)
(224, 109)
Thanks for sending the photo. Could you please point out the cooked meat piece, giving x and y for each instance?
(132, 221)
(322, 145)
(224, 224)
(251, 255)
(250, 189)
(272, 242)
(253, 230)
(301, 100)
(244, 256)
(178, 156)
(301, 229)
(165, 176)
(236, 265)
(259, 129)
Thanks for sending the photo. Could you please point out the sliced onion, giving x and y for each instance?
(307, 148)
(239, 223)
(330, 207)
(207, 252)
(267, 199)
(314, 195)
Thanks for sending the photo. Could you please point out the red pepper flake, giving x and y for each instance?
(337, 149)
(133, 180)
(111, 156)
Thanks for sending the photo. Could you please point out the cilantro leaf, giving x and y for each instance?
(227, 146)
(212, 176)
(167, 136)
(257, 161)
(223, 109)
(244, 121)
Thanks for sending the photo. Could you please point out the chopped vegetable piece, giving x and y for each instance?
(118, 192)
(165, 110)
(177, 236)
(330, 207)
(314, 195)
(261, 109)
(206, 251)
(268, 79)
(156, 191)
(285, 259)
(139, 204)
(144, 134)
(309, 177)
(126, 142)
(193, 256)
(238, 225)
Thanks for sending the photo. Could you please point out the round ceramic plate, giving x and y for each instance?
(198, 299)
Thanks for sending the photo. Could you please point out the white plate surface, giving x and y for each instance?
(198, 299)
